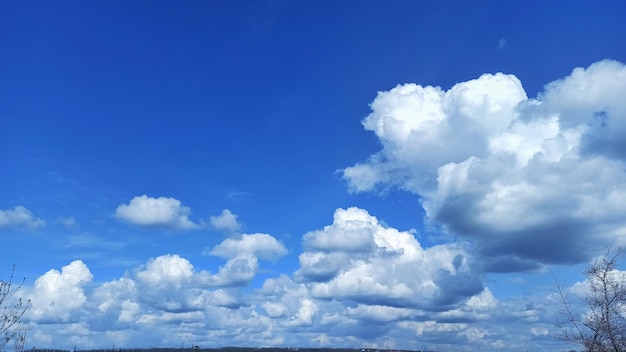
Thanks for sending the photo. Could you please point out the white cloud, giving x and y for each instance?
(380, 268)
(167, 290)
(19, 217)
(129, 312)
(237, 271)
(531, 181)
(162, 212)
(113, 292)
(282, 298)
(166, 270)
(167, 300)
(274, 309)
(305, 314)
(169, 283)
(260, 245)
(356, 234)
(58, 296)
(422, 128)
(222, 298)
(360, 282)
(226, 222)
(113, 305)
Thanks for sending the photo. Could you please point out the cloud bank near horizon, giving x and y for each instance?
(357, 281)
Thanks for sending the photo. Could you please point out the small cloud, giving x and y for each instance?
(87, 240)
(238, 196)
(516, 280)
(163, 212)
(226, 222)
(502, 43)
(539, 331)
(68, 223)
(261, 245)
(20, 217)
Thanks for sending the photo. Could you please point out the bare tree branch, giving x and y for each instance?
(12, 310)
(601, 327)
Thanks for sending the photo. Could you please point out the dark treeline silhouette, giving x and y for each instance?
(223, 349)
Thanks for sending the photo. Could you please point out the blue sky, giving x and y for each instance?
(328, 174)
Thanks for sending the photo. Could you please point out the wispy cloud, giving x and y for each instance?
(21, 218)
(502, 43)
(68, 222)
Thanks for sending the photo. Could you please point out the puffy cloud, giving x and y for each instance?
(382, 290)
(237, 271)
(19, 217)
(355, 234)
(531, 181)
(166, 270)
(113, 292)
(260, 245)
(163, 212)
(243, 255)
(111, 305)
(384, 266)
(58, 296)
(169, 283)
(274, 310)
(226, 222)
(420, 127)
(167, 290)
(166, 301)
(307, 309)
(283, 298)
(222, 298)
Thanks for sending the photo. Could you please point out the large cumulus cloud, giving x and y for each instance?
(531, 181)
(58, 296)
